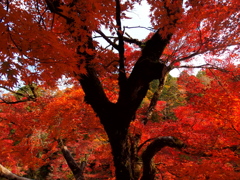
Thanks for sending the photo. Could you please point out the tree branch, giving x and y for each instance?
(126, 39)
(187, 57)
(54, 7)
(156, 95)
(206, 66)
(141, 145)
(147, 28)
(133, 41)
(151, 150)
(91, 85)
(75, 168)
(14, 102)
(146, 69)
(107, 39)
(122, 78)
(28, 97)
(14, 92)
(5, 173)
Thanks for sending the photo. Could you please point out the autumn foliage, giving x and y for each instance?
(120, 114)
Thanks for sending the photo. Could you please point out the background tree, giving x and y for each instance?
(44, 40)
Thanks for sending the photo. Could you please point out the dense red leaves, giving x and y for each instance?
(208, 124)
(30, 132)
(40, 45)
(37, 45)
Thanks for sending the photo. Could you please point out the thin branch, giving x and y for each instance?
(28, 96)
(147, 28)
(14, 92)
(201, 153)
(122, 78)
(106, 66)
(32, 88)
(188, 57)
(10, 35)
(197, 52)
(156, 95)
(14, 102)
(7, 2)
(220, 83)
(133, 41)
(41, 19)
(206, 66)
(235, 129)
(107, 39)
(53, 6)
(126, 39)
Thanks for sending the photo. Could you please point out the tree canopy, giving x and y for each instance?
(118, 101)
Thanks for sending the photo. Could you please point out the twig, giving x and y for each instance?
(107, 39)
(148, 28)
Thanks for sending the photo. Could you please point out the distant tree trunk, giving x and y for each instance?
(76, 169)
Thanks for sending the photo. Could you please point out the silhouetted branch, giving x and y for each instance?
(27, 96)
(206, 66)
(147, 28)
(156, 95)
(145, 142)
(133, 41)
(13, 102)
(122, 78)
(54, 7)
(107, 39)
(151, 150)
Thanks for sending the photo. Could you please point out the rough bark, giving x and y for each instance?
(5, 173)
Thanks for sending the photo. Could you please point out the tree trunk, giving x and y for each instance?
(121, 154)
(124, 151)
(116, 123)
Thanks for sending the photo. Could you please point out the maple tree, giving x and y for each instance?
(43, 41)
(46, 127)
